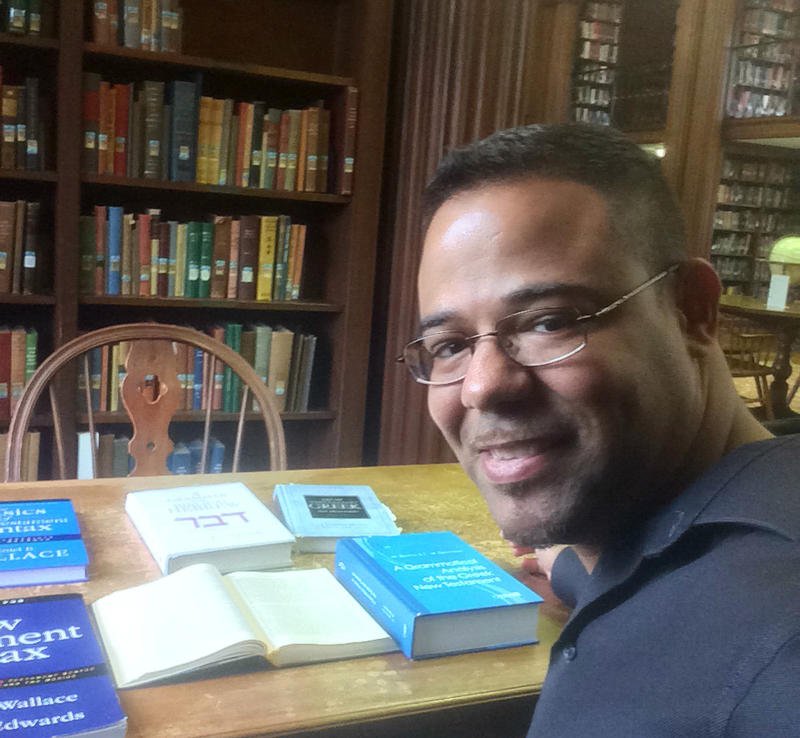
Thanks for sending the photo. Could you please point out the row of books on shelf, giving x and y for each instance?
(748, 220)
(249, 257)
(598, 50)
(776, 77)
(111, 457)
(743, 244)
(23, 112)
(283, 360)
(771, 22)
(171, 132)
(18, 361)
(390, 591)
(764, 171)
(787, 6)
(599, 30)
(747, 103)
(31, 445)
(603, 11)
(755, 195)
(153, 25)
(20, 247)
(27, 17)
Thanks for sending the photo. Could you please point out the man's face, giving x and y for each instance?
(562, 453)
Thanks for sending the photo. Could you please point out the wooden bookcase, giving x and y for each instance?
(249, 49)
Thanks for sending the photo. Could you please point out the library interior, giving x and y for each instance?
(211, 228)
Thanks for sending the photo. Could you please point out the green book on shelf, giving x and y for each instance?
(192, 271)
(230, 381)
(206, 258)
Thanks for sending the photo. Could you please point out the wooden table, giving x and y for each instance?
(490, 693)
(785, 324)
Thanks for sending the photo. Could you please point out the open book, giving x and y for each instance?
(197, 618)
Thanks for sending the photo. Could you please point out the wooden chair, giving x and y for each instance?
(750, 352)
(151, 394)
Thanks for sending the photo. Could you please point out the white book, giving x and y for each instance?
(197, 618)
(85, 463)
(221, 524)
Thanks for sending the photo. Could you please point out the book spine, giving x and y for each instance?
(172, 272)
(256, 155)
(215, 140)
(180, 261)
(222, 250)
(131, 34)
(143, 228)
(206, 257)
(22, 130)
(323, 150)
(376, 594)
(155, 249)
(182, 155)
(31, 353)
(9, 106)
(153, 125)
(163, 258)
(312, 149)
(114, 254)
(5, 374)
(87, 252)
(272, 124)
(17, 372)
(192, 288)
(233, 262)
(7, 215)
(105, 103)
(122, 96)
(203, 139)
(293, 144)
(346, 160)
(100, 236)
(248, 256)
(20, 216)
(32, 124)
(266, 258)
(127, 271)
(30, 259)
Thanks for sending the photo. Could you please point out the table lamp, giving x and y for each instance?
(784, 264)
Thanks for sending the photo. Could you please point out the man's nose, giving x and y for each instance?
(493, 377)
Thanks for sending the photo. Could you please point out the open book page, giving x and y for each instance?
(306, 615)
(172, 625)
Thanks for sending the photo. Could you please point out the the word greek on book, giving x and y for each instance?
(40, 543)
(221, 524)
(321, 514)
(53, 677)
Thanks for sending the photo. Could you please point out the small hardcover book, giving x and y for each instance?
(321, 514)
(40, 543)
(53, 677)
(197, 620)
(221, 524)
(436, 594)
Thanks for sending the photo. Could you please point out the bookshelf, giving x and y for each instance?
(224, 52)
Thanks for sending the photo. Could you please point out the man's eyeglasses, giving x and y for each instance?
(532, 338)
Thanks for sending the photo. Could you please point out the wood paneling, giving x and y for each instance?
(461, 70)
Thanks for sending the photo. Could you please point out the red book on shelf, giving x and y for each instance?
(283, 150)
(345, 161)
(100, 230)
(91, 121)
(122, 100)
(248, 256)
(143, 227)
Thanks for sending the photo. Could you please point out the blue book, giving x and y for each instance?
(435, 594)
(53, 677)
(180, 460)
(197, 380)
(320, 514)
(40, 543)
(183, 128)
(196, 456)
(216, 456)
(114, 247)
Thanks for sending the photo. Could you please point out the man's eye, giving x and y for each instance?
(445, 347)
(549, 323)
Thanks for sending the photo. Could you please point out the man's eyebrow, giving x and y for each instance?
(519, 298)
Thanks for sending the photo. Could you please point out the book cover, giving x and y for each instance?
(40, 543)
(53, 673)
(320, 514)
(196, 619)
(7, 216)
(221, 524)
(183, 128)
(436, 594)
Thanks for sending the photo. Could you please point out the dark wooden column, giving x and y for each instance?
(461, 69)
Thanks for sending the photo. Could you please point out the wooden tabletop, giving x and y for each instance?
(752, 306)
(354, 692)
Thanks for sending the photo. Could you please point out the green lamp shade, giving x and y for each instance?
(784, 258)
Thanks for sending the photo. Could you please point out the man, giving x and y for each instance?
(569, 347)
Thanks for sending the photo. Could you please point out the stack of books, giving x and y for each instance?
(24, 112)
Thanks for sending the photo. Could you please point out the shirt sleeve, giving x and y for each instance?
(568, 577)
(772, 704)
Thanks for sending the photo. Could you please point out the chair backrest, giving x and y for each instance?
(151, 394)
(748, 348)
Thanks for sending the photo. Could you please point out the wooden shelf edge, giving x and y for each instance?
(198, 416)
(33, 42)
(14, 299)
(28, 176)
(647, 137)
(749, 129)
(107, 180)
(200, 302)
(198, 62)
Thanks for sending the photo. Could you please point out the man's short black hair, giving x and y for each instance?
(643, 212)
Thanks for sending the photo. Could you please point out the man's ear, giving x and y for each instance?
(699, 289)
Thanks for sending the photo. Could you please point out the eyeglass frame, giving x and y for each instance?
(472, 340)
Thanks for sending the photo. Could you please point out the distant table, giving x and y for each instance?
(490, 693)
(785, 324)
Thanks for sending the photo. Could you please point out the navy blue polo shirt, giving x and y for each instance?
(690, 626)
